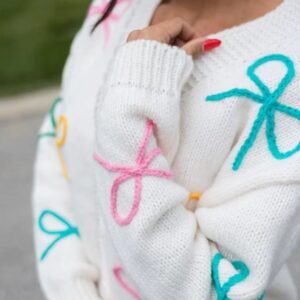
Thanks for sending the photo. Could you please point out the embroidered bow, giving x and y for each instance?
(96, 10)
(136, 172)
(60, 131)
(62, 128)
(269, 106)
(60, 234)
(223, 290)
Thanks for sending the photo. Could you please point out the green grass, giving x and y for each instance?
(35, 37)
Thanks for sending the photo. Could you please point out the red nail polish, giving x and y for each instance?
(211, 44)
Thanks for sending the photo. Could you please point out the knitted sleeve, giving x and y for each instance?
(64, 271)
(252, 209)
(230, 250)
(155, 236)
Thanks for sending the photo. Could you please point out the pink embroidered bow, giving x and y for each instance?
(96, 10)
(117, 270)
(136, 172)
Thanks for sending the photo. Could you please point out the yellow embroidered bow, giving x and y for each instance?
(60, 130)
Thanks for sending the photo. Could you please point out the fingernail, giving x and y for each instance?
(211, 44)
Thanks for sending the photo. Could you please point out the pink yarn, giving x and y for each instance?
(98, 10)
(117, 270)
(136, 172)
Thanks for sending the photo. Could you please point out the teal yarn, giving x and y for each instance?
(52, 119)
(60, 234)
(269, 106)
(262, 297)
(52, 111)
(46, 134)
(223, 290)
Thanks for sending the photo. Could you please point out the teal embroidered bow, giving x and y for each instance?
(60, 234)
(52, 119)
(222, 290)
(269, 106)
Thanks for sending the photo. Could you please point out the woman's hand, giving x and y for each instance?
(176, 32)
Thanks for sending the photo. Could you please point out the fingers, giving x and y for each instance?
(179, 29)
(166, 32)
(179, 43)
(200, 45)
(176, 32)
(194, 47)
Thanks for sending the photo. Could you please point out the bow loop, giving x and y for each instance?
(66, 230)
(285, 81)
(136, 173)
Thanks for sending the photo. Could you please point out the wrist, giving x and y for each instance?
(151, 65)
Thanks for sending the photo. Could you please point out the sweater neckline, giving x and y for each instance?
(266, 18)
(239, 42)
(250, 40)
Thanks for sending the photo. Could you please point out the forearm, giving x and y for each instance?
(142, 204)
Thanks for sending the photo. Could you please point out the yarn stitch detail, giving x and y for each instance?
(194, 196)
(117, 270)
(223, 290)
(269, 105)
(60, 234)
(136, 172)
(262, 297)
(60, 142)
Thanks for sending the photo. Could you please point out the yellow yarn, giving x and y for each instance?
(62, 122)
(194, 196)
(60, 141)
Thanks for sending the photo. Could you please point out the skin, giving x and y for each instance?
(185, 23)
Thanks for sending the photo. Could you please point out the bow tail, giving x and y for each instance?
(46, 134)
(272, 140)
(290, 111)
(251, 138)
(235, 93)
(46, 251)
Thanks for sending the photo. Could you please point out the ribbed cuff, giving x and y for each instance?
(77, 290)
(151, 65)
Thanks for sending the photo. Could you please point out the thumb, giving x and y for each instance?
(200, 45)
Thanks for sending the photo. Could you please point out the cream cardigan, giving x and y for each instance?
(141, 128)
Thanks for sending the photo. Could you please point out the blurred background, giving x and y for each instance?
(35, 37)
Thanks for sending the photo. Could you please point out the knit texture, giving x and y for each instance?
(144, 243)
(270, 105)
(141, 129)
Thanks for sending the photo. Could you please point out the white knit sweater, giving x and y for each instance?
(112, 219)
